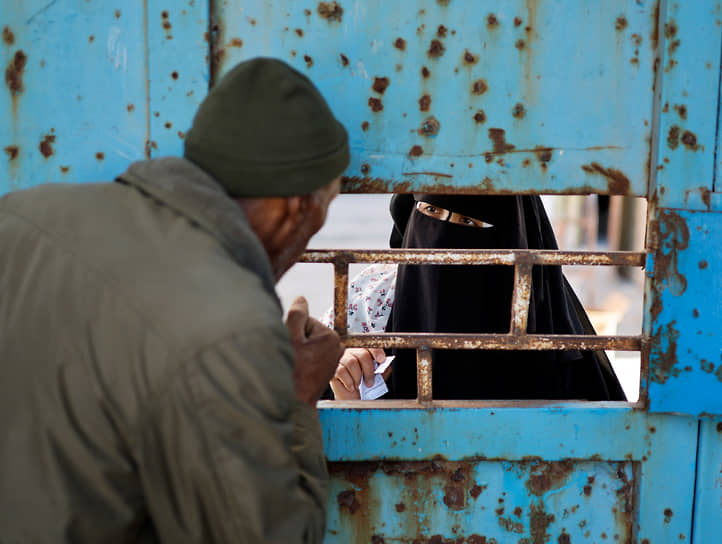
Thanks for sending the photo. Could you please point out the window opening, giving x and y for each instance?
(605, 272)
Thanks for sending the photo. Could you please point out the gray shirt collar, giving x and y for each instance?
(183, 186)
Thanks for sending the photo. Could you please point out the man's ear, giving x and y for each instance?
(290, 215)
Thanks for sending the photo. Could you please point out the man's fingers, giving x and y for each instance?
(297, 318)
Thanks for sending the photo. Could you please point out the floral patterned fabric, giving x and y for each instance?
(370, 299)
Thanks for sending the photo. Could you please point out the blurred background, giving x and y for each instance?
(612, 296)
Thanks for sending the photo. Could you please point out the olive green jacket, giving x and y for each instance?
(146, 390)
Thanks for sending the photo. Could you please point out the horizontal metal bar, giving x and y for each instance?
(475, 256)
(494, 341)
(405, 404)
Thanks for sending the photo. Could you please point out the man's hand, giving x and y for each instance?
(317, 350)
(356, 364)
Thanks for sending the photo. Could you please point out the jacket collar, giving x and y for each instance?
(184, 187)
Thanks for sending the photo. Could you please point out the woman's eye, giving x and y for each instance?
(470, 222)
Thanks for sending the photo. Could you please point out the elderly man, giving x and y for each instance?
(149, 389)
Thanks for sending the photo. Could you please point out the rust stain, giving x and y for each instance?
(441, 31)
(454, 497)
(668, 514)
(347, 500)
(174, 75)
(13, 151)
(331, 11)
(470, 58)
(663, 359)
(517, 21)
(436, 49)
(365, 126)
(14, 73)
(424, 102)
(64, 169)
(621, 23)
(617, 182)
(117, 14)
(702, 264)
(545, 476)
(670, 29)
(416, 151)
(479, 87)
(380, 84)
(308, 60)
(673, 238)
(100, 155)
(706, 366)
(518, 111)
(8, 36)
(236, 42)
(400, 44)
(480, 116)
(689, 139)
(492, 21)
(45, 146)
(476, 490)
(539, 522)
(357, 184)
(511, 525)
(654, 34)
(425, 73)
(375, 104)
(673, 137)
(498, 137)
(681, 110)
(564, 538)
(520, 44)
(543, 154)
(365, 168)
(299, 32)
(430, 127)
(344, 59)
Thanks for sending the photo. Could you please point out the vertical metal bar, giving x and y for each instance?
(340, 296)
(520, 300)
(423, 374)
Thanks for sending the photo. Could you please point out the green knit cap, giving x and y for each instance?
(265, 130)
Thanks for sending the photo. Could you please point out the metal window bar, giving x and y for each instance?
(517, 338)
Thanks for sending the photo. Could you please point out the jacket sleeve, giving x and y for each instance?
(227, 452)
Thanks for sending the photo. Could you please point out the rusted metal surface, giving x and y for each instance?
(340, 297)
(451, 62)
(476, 256)
(463, 502)
(495, 341)
(683, 296)
(423, 374)
(520, 299)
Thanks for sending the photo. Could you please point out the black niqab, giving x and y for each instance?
(477, 299)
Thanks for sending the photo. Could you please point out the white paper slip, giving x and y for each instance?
(379, 387)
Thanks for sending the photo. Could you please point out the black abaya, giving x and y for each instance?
(477, 299)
